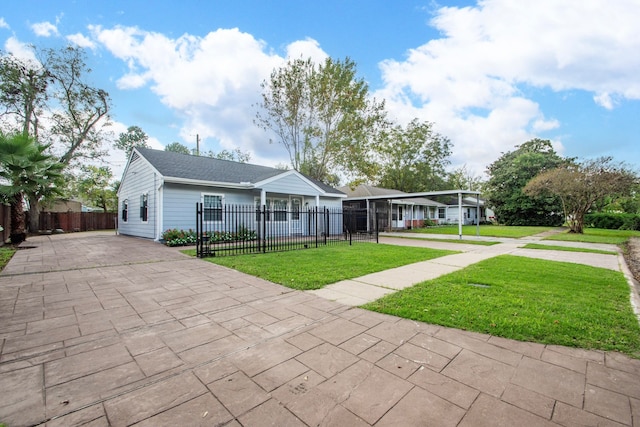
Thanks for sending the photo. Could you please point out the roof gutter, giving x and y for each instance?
(240, 185)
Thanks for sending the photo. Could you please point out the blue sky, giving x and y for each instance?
(490, 74)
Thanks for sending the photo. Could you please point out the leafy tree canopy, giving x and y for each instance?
(132, 138)
(176, 147)
(508, 176)
(581, 186)
(413, 158)
(323, 116)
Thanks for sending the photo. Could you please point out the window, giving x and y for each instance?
(442, 213)
(125, 210)
(295, 209)
(280, 209)
(400, 216)
(144, 207)
(212, 205)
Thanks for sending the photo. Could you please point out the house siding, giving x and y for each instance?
(139, 180)
(291, 184)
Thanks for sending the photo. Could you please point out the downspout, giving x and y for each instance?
(159, 209)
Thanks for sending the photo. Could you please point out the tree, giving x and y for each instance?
(462, 178)
(323, 117)
(28, 171)
(132, 138)
(413, 158)
(509, 174)
(176, 147)
(50, 100)
(95, 185)
(235, 155)
(581, 186)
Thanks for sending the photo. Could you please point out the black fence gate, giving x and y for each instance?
(242, 229)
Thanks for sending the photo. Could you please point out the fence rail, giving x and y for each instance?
(242, 229)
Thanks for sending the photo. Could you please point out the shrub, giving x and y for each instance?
(175, 237)
(613, 221)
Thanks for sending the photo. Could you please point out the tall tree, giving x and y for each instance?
(176, 147)
(323, 116)
(508, 176)
(462, 178)
(413, 158)
(95, 185)
(51, 100)
(26, 170)
(132, 138)
(580, 186)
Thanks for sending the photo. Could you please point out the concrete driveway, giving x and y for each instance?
(98, 329)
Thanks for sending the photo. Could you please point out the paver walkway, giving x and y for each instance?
(97, 329)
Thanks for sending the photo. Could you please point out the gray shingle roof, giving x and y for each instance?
(186, 166)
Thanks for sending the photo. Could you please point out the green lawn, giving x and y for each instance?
(314, 268)
(597, 235)
(5, 256)
(567, 249)
(529, 300)
(485, 230)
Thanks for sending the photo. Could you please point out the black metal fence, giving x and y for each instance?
(242, 229)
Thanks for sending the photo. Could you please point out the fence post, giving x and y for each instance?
(198, 230)
(326, 224)
(264, 228)
(376, 226)
(316, 220)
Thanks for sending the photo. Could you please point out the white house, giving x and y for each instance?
(160, 190)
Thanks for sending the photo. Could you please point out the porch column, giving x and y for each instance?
(263, 197)
(317, 200)
(478, 214)
(460, 215)
(368, 219)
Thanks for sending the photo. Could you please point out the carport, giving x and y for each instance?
(428, 194)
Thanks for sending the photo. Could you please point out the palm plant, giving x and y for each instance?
(25, 170)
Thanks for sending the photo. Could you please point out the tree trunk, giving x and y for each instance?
(34, 214)
(18, 233)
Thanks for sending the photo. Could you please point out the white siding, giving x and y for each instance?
(291, 184)
(140, 179)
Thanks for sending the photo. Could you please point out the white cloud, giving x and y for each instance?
(20, 50)
(472, 80)
(3, 23)
(308, 48)
(212, 81)
(44, 29)
(81, 40)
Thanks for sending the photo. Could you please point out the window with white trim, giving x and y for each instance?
(212, 207)
(442, 213)
(125, 210)
(144, 207)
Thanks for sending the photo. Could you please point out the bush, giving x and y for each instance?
(613, 221)
(175, 237)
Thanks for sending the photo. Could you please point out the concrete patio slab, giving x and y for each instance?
(98, 329)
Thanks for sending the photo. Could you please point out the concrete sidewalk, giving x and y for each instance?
(99, 330)
(360, 290)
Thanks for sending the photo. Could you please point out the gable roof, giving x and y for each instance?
(364, 190)
(208, 169)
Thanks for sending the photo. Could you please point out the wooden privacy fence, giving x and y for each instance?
(5, 222)
(77, 221)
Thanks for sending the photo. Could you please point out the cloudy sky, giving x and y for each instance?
(490, 74)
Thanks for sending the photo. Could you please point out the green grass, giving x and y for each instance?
(529, 300)
(5, 256)
(597, 235)
(485, 230)
(314, 268)
(567, 249)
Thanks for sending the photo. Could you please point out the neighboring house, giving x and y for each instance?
(470, 207)
(160, 190)
(400, 212)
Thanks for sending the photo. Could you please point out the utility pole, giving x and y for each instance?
(197, 144)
